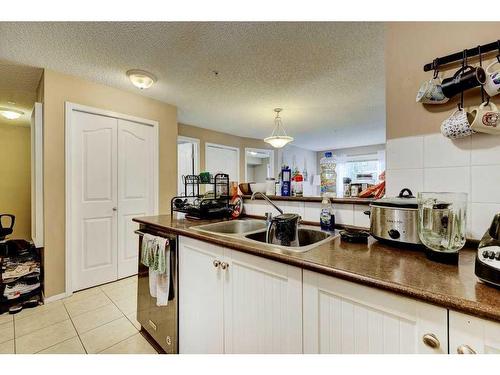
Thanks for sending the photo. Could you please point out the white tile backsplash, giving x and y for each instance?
(404, 153)
(398, 179)
(440, 151)
(469, 165)
(481, 216)
(344, 214)
(310, 211)
(453, 179)
(360, 219)
(485, 149)
(486, 184)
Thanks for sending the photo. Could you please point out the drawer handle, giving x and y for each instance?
(465, 349)
(224, 265)
(216, 263)
(152, 324)
(431, 340)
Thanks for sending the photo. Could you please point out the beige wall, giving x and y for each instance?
(15, 176)
(59, 88)
(408, 47)
(211, 136)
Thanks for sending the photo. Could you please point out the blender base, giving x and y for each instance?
(441, 257)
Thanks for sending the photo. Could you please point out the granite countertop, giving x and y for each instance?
(404, 271)
(354, 200)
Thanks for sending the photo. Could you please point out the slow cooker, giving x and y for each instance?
(395, 219)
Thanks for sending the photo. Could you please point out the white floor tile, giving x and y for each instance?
(95, 318)
(7, 347)
(6, 331)
(107, 335)
(87, 304)
(6, 317)
(71, 346)
(28, 324)
(45, 338)
(133, 345)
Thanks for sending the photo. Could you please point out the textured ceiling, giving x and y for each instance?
(328, 77)
(18, 84)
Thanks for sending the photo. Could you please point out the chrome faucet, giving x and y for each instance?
(269, 215)
(268, 201)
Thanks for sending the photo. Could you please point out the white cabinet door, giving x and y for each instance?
(94, 199)
(135, 189)
(262, 305)
(343, 317)
(201, 312)
(468, 333)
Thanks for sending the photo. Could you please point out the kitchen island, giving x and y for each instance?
(375, 267)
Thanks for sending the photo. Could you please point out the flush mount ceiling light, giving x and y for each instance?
(278, 138)
(141, 79)
(11, 114)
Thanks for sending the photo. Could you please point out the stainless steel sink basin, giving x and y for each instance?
(255, 231)
(308, 239)
(233, 227)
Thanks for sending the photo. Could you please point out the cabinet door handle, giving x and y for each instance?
(216, 263)
(224, 265)
(465, 349)
(431, 340)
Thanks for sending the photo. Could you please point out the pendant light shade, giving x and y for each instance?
(278, 138)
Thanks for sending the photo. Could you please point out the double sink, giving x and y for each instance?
(255, 231)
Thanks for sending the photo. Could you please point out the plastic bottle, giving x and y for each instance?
(328, 175)
(325, 215)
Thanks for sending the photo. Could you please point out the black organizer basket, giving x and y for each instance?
(208, 206)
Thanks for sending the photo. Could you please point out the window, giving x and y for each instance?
(352, 165)
(353, 168)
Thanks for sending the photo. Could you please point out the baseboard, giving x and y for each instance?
(54, 298)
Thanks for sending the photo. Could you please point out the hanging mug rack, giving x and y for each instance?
(458, 56)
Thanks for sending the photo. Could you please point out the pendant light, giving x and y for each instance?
(278, 138)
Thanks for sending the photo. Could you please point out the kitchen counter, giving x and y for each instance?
(354, 200)
(400, 270)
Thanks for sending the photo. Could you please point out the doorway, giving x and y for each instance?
(259, 164)
(188, 160)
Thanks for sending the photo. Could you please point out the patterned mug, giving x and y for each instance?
(486, 119)
(458, 125)
(430, 92)
(492, 85)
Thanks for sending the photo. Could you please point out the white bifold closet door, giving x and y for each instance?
(112, 182)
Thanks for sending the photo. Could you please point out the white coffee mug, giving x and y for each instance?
(457, 125)
(486, 119)
(430, 92)
(492, 85)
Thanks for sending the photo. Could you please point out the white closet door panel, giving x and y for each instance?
(94, 197)
(135, 188)
(262, 305)
(346, 318)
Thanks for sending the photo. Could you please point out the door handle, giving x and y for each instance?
(115, 209)
(224, 265)
(216, 263)
(465, 349)
(431, 340)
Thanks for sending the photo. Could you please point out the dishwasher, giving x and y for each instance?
(160, 323)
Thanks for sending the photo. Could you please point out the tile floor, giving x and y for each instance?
(96, 320)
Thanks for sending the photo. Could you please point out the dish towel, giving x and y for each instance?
(156, 256)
